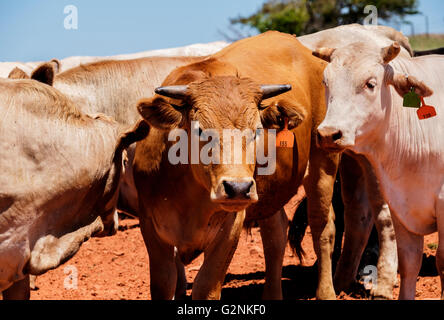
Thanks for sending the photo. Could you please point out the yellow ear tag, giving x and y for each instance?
(285, 138)
(425, 111)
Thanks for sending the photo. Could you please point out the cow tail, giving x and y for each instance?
(296, 231)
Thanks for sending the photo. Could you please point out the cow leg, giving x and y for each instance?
(218, 255)
(388, 258)
(358, 222)
(440, 251)
(32, 280)
(181, 287)
(274, 240)
(18, 291)
(320, 183)
(410, 249)
(163, 272)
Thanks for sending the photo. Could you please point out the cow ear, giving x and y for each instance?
(159, 113)
(324, 53)
(391, 52)
(273, 117)
(403, 85)
(17, 73)
(57, 65)
(138, 132)
(44, 73)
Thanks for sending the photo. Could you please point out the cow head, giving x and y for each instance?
(357, 81)
(213, 106)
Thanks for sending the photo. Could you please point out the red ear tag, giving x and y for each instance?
(425, 111)
(285, 138)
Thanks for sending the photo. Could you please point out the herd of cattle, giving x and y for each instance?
(86, 137)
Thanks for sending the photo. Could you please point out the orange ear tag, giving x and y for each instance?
(285, 138)
(425, 111)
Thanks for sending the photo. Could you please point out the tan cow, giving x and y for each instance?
(59, 184)
(200, 208)
(194, 50)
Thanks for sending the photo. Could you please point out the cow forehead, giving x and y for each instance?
(225, 88)
(355, 63)
(228, 101)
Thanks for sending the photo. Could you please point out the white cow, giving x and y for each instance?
(363, 202)
(197, 50)
(365, 89)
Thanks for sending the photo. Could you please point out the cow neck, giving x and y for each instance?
(406, 139)
(406, 147)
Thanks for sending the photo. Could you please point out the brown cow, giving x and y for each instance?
(200, 208)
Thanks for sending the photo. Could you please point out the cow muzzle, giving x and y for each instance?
(235, 194)
(330, 139)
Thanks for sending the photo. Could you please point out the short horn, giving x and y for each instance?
(269, 91)
(176, 92)
(391, 52)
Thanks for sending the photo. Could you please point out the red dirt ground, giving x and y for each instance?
(117, 267)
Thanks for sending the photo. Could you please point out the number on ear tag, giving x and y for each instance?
(425, 111)
(285, 138)
(412, 100)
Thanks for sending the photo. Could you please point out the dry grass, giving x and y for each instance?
(422, 42)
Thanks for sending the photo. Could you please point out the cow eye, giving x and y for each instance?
(370, 85)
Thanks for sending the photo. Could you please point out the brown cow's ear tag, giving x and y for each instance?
(411, 99)
(425, 111)
(285, 138)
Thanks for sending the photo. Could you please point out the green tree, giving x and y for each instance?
(307, 16)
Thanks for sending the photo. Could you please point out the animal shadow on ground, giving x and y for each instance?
(298, 282)
(428, 267)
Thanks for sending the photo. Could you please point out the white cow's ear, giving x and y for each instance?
(324, 53)
(391, 52)
(403, 84)
(160, 113)
(44, 73)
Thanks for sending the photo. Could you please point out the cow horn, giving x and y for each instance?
(269, 91)
(391, 52)
(176, 92)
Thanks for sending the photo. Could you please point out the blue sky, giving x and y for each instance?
(34, 30)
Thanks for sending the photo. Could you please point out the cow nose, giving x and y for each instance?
(328, 136)
(230, 191)
(237, 189)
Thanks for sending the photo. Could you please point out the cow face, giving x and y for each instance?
(227, 109)
(358, 96)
